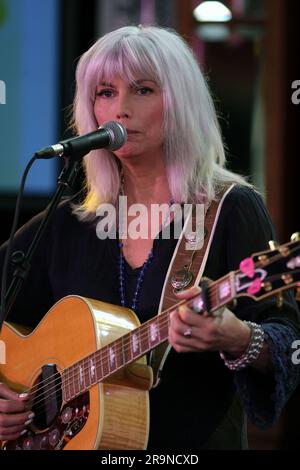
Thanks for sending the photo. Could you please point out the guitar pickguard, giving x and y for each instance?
(67, 424)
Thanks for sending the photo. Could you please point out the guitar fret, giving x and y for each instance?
(72, 381)
(99, 365)
(79, 383)
(105, 361)
(93, 370)
(86, 373)
(123, 349)
(65, 385)
(127, 348)
(111, 359)
(119, 353)
(163, 321)
(224, 291)
(232, 284)
(154, 333)
(214, 298)
(135, 343)
(144, 338)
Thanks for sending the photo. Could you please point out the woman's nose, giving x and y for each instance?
(124, 109)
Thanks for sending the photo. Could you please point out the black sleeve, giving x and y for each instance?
(245, 228)
(35, 297)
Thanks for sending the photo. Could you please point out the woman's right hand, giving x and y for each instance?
(13, 417)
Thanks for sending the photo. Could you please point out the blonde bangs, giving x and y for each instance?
(129, 59)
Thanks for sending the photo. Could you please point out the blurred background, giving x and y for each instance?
(249, 52)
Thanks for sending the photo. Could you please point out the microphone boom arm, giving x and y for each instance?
(23, 261)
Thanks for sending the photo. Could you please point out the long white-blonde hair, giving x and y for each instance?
(193, 148)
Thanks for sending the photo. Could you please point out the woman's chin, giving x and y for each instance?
(125, 154)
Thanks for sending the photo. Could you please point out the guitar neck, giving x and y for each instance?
(99, 365)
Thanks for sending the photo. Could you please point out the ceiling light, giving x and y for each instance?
(212, 11)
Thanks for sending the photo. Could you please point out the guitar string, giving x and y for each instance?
(44, 382)
(67, 382)
(58, 386)
(71, 380)
(144, 325)
(213, 285)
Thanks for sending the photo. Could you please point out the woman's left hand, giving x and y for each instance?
(193, 332)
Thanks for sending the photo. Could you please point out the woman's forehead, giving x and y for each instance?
(116, 80)
(126, 68)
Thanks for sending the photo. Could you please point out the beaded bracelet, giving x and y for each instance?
(252, 352)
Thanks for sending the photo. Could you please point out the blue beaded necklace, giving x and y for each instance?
(141, 273)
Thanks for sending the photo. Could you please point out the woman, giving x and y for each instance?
(147, 79)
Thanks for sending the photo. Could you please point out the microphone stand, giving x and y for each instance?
(23, 260)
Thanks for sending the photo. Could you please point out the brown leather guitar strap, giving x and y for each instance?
(187, 265)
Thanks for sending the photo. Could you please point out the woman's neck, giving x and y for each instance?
(146, 185)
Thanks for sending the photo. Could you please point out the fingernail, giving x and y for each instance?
(23, 395)
(195, 289)
(32, 415)
(188, 290)
(28, 422)
(23, 432)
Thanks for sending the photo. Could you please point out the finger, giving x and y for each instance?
(12, 406)
(189, 317)
(11, 437)
(12, 430)
(176, 323)
(218, 313)
(183, 344)
(188, 293)
(6, 392)
(181, 327)
(18, 419)
(185, 349)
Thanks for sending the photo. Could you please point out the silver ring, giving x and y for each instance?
(188, 333)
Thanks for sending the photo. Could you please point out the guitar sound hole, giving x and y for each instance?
(48, 397)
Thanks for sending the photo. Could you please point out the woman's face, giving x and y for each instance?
(139, 108)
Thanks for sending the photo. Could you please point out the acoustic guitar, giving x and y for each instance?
(84, 365)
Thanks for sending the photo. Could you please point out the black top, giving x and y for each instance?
(196, 389)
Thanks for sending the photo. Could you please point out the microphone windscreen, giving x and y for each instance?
(117, 132)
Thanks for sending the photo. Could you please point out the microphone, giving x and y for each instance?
(111, 135)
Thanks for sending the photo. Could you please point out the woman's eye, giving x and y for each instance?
(144, 91)
(105, 93)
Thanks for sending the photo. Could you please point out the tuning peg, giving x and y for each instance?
(279, 300)
(273, 245)
(263, 259)
(287, 278)
(295, 237)
(267, 286)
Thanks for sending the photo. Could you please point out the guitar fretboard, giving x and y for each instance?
(99, 365)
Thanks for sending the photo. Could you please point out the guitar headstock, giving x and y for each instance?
(269, 272)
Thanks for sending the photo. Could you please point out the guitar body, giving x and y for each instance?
(84, 366)
(111, 415)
